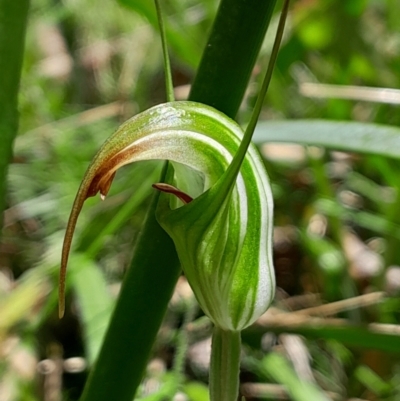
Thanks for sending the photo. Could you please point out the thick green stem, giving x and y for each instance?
(231, 52)
(225, 364)
(146, 290)
(13, 18)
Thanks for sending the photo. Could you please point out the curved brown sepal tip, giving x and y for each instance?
(61, 303)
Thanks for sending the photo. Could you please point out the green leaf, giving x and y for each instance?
(13, 19)
(95, 302)
(341, 135)
(372, 381)
(373, 222)
(373, 336)
(276, 366)
(196, 391)
(17, 305)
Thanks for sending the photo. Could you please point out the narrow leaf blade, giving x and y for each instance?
(348, 136)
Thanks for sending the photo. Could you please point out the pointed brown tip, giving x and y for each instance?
(61, 311)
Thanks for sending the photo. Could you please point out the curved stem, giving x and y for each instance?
(231, 173)
(167, 64)
(244, 145)
(224, 368)
(268, 75)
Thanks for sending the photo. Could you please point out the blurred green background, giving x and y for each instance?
(90, 66)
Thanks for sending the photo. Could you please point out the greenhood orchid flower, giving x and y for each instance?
(220, 218)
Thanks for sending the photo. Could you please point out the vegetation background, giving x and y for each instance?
(88, 67)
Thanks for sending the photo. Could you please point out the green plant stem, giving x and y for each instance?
(268, 75)
(234, 168)
(224, 365)
(179, 37)
(169, 86)
(231, 52)
(144, 296)
(13, 19)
